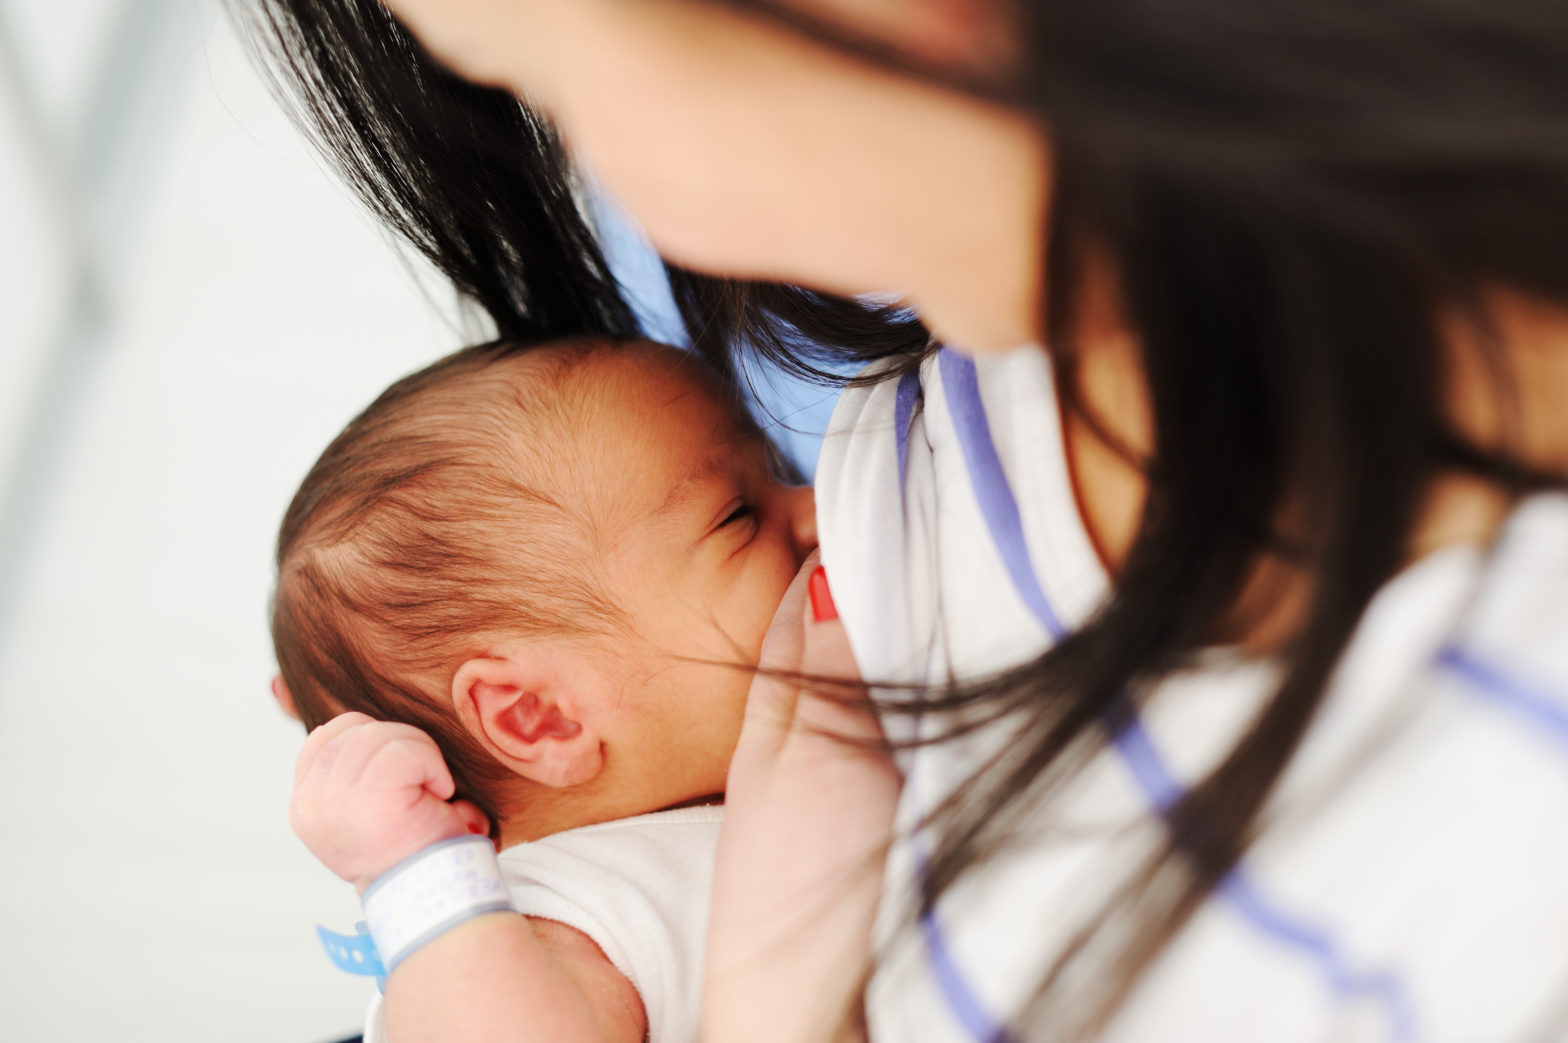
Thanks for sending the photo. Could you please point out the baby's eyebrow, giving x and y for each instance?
(685, 488)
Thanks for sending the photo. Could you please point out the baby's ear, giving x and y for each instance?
(521, 710)
(285, 700)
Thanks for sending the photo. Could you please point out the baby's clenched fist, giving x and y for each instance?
(368, 793)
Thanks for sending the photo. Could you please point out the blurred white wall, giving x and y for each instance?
(149, 886)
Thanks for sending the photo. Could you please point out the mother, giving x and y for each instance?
(1237, 625)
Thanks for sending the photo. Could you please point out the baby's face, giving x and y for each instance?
(696, 544)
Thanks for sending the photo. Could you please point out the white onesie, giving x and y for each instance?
(639, 887)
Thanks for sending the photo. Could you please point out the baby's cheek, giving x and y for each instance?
(769, 594)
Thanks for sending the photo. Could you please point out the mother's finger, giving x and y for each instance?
(837, 702)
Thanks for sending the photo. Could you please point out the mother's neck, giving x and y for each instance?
(1526, 341)
(1507, 395)
(1526, 415)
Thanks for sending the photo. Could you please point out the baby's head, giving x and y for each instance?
(538, 557)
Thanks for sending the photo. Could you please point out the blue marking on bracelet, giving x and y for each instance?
(354, 953)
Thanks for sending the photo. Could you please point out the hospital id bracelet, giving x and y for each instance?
(431, 892)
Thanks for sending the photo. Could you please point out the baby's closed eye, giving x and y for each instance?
(740, 512)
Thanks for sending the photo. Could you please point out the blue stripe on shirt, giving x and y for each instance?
(903, 415)
(1535, 705)
(992, 492)
(1163, 791)
(1004, 520)
(961, 1000)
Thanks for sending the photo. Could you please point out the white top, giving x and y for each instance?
(1413, 883)
(639, 887)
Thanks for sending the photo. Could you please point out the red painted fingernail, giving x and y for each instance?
(822, 607)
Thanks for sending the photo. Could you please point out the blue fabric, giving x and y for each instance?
(639, 271)
(794, 412)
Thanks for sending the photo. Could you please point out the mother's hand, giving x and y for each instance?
(809, 813)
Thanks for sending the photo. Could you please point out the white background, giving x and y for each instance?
(149, 886)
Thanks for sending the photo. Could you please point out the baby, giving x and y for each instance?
(526, 579)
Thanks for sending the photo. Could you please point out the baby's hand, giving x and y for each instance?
(368, 793)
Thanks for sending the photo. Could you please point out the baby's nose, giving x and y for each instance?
(801, 504)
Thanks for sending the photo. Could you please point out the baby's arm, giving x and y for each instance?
(508, 977)
(809, 815)
(368, 794)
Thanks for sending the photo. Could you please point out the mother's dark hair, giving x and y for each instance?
(1297, 200)
(481, 187)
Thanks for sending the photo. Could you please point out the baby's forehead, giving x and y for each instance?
(615, 390)
(607, 422)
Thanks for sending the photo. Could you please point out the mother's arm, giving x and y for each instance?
(809, 814)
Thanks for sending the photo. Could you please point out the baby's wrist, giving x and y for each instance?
(435, 889)
(392, 857)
